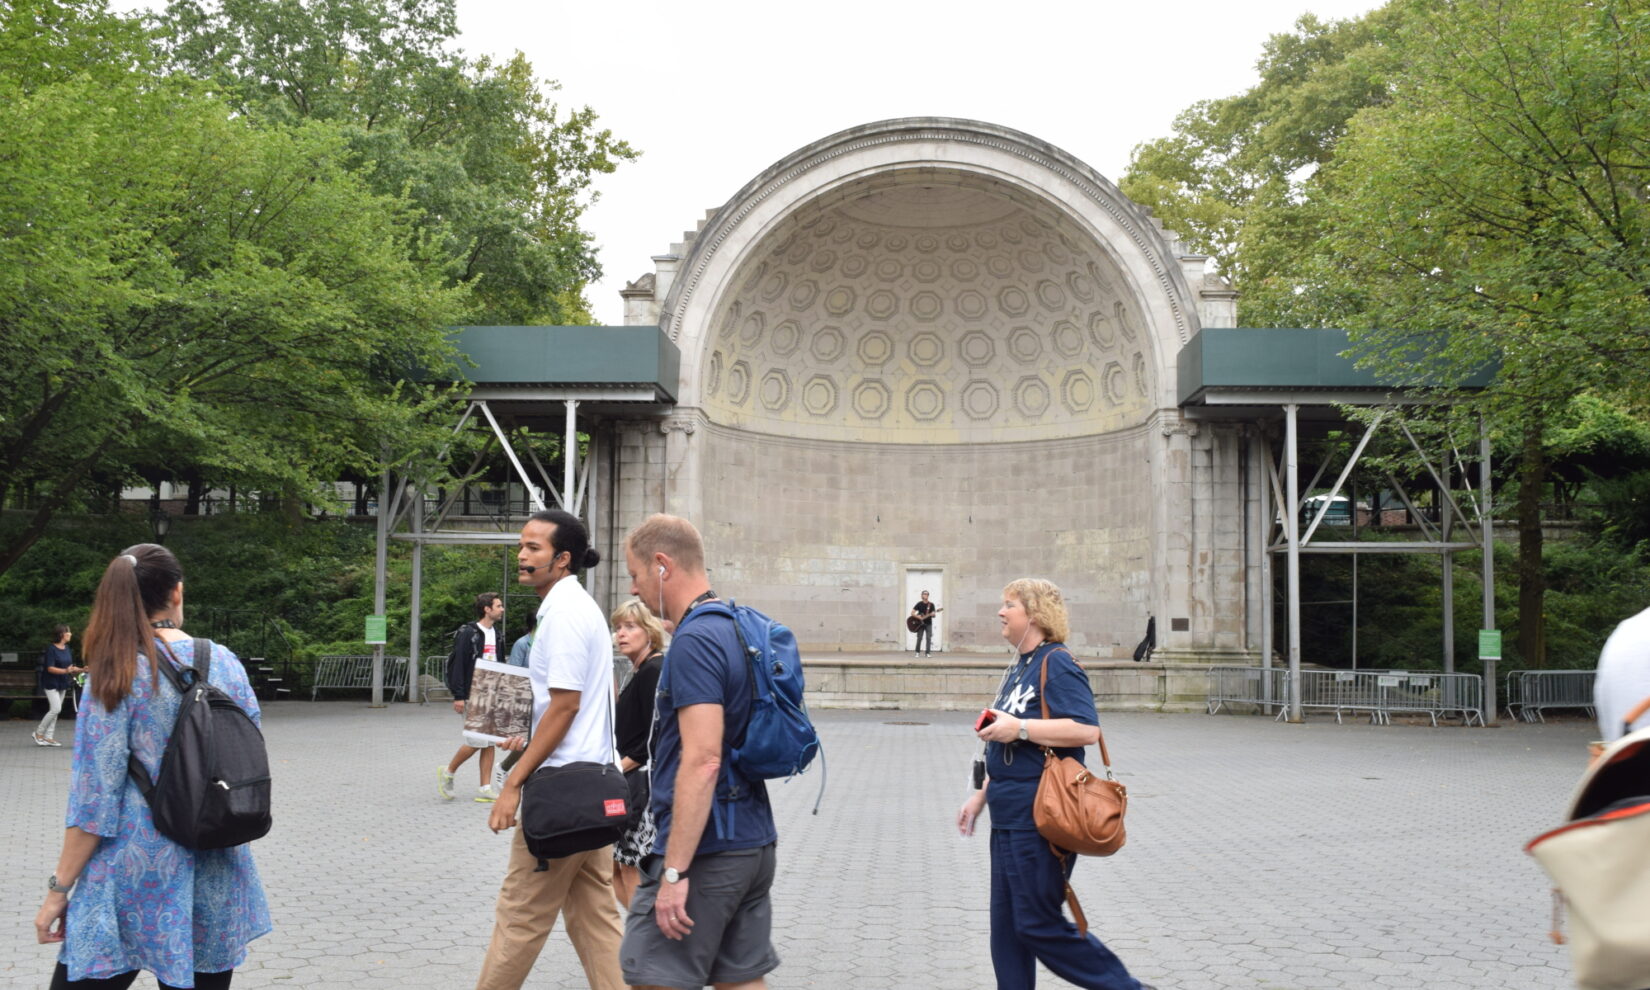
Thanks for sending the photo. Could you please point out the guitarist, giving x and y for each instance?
(923, 612)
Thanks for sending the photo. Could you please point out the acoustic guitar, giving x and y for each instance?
(914, 624)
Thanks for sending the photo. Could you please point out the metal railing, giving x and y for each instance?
(1376, 693)
(1529, 692)
(355, 673)
(432, 677)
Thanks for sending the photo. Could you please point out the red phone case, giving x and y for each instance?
(985, 719)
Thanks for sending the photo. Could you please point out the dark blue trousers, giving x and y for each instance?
(1027, 892)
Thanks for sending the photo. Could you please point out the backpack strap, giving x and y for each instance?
(202, 660)
(200, 667)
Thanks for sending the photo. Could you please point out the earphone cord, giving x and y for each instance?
(1008, 749)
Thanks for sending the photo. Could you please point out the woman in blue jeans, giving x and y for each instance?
(1027, 878)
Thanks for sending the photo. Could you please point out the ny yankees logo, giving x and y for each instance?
(1019, 698)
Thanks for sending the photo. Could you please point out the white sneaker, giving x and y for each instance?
(53, 742)
(486, 795)
(40, 740)
(444, 782)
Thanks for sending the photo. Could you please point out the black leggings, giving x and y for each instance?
(203, 981)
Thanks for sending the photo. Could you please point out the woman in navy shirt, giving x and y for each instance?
(56, 667)
(1028, 880)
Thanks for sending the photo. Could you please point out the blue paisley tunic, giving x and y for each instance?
(143, 901)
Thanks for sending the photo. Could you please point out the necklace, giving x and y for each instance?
(163, 624)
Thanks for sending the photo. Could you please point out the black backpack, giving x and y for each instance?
(214, 788)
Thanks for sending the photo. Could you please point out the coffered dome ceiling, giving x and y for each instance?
(936, 312)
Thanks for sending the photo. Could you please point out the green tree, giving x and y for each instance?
(179, 279)
(1239, 178)
(501, 173)
(1494, 211)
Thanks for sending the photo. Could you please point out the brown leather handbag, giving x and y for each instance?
(1076, 811)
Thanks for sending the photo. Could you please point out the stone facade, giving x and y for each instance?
(944, 343)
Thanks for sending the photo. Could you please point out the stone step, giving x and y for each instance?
(900, 681)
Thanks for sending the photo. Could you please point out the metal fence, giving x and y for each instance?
(355, 673)
(1376, 693)
(1529, 692)
(432, 677)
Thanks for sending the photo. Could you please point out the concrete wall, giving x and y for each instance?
(820, 532)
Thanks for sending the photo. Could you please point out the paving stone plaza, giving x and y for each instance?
(1261, 855)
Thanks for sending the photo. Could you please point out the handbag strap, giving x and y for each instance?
(1042, 698)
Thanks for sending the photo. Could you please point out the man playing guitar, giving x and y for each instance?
(921, 622)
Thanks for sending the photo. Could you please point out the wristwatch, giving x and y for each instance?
(672, 875)
(54, 887)
(1024, 735)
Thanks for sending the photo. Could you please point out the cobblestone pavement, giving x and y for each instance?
(1260, 856)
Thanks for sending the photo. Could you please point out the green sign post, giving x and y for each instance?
(377, 630)
(1489, 644)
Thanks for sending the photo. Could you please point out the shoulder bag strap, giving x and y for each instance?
(1105, 757)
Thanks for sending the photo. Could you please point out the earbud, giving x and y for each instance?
(661, 572)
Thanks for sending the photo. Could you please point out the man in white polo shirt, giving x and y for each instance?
(571, 667)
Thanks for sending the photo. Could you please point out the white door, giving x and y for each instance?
(918, 580)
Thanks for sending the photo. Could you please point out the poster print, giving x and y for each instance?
(501, 702)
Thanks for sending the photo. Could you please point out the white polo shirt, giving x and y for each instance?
(573, 651)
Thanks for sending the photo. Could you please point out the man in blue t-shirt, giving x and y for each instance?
(702, 914)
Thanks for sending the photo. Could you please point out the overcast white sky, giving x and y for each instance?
(714, 91)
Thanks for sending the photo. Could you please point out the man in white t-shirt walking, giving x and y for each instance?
(571, 667)
(473, 642)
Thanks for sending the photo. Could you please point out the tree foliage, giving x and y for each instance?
(1239, 178)
(180, 282)
(501, 173)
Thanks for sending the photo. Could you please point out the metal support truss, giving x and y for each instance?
(1284, 535)
(412, 510)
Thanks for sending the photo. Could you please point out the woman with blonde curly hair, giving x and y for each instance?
(1028, 878)
(641, 638)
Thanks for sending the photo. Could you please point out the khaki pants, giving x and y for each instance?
(528, 904)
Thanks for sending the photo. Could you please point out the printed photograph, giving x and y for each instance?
(501, 702)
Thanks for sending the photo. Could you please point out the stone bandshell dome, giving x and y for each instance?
(949, 310)
(941, 351)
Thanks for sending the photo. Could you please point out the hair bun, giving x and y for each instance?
(591, 557)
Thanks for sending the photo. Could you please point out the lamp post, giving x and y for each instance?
(160, 521)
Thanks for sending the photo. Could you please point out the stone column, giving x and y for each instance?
(682, 467)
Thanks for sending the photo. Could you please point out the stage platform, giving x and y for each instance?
(966, 681)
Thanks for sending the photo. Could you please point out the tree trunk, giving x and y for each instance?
(1532, 577)
(197, 491)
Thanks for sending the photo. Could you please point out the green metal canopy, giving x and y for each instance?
(637, 362)
(1263, 366)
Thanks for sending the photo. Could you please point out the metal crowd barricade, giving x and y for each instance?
(1246, 686)
(1377, 693)
(355, 673)
(1529, 692)
(432, 677)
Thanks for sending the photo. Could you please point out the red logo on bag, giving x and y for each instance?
(614, 808)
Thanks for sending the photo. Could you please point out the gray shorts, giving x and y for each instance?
(732, 924)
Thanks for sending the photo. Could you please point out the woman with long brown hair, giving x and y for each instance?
(141, 901)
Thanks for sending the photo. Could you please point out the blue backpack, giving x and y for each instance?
(779, 740)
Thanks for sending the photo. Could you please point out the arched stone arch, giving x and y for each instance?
(939, 342)
(899, 154)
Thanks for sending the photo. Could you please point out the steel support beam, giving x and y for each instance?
(1292, 526)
